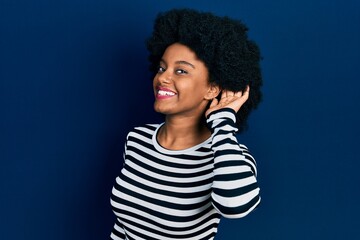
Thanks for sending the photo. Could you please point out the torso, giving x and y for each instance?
(165, 194)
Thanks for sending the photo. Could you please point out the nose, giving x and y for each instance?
(165, 78)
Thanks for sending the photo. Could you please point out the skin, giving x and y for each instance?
(186, 77)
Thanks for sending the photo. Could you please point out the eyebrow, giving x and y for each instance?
(180, 62)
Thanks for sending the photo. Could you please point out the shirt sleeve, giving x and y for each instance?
(117, 232)
(235, 191)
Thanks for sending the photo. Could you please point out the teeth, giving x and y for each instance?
(165, 93)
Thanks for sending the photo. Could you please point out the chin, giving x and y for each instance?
(160, 110)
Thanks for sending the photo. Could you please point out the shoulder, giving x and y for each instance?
(141, 137)
(146, 130)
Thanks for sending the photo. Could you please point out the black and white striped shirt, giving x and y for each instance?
(181, 194)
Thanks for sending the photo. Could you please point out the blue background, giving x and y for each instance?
(74, 80)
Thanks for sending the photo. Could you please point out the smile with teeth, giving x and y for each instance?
(165, 93)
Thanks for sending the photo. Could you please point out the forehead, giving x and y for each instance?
(177, 53)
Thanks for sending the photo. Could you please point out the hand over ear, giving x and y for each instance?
(229, 99)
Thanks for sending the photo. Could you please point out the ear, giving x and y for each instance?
(212, 92)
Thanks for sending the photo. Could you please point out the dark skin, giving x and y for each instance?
(182, 93)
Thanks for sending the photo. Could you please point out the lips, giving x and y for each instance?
(163, 93)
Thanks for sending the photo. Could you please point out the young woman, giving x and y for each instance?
(180, 176)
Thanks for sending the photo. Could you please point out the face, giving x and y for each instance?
(181, 86)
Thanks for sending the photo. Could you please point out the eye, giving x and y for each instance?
(181, 71)
(161, 69)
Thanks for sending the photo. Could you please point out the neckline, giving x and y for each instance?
(161, 149)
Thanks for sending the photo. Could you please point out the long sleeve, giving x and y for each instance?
(235, 191)
(118, 232)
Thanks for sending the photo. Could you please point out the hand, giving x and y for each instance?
(229, 99)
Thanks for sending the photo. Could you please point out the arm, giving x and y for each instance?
(118, 232)
(235, 191)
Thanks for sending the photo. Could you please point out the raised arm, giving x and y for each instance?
(235, 191)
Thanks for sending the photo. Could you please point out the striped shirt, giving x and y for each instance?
(182, 194)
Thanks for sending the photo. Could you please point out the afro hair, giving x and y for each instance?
(233, 61)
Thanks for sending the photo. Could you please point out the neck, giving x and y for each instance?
(182, 133)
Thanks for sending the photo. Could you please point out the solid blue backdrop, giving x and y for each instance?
(74, 80)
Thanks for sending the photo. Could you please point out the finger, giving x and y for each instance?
(213, 103)
(230, 93)
(241, 93)
(223, 94)
(238, 94)
(246, 92)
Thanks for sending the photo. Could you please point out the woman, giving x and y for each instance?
(180, 176)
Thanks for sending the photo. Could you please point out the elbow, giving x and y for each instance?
(237, 207)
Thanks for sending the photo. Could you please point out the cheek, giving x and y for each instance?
(193, 92)
(201, 85)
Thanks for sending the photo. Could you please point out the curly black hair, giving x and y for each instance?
(233, 61)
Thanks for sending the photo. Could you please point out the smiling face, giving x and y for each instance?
(181, 86)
